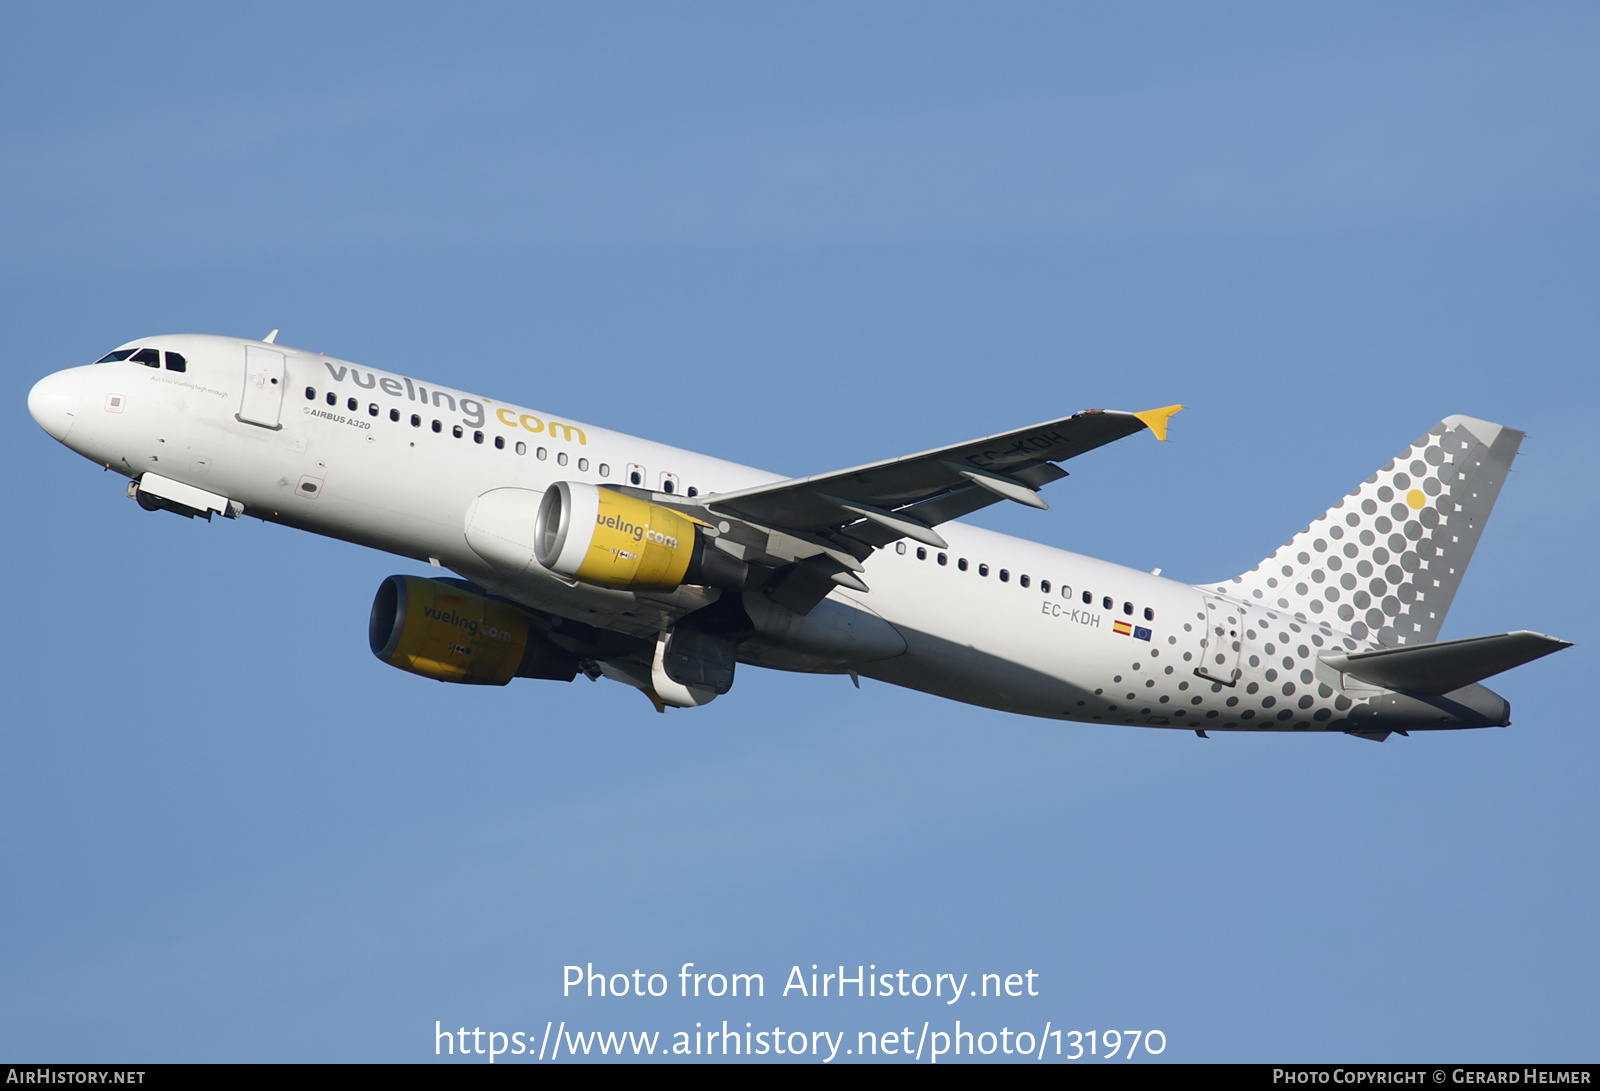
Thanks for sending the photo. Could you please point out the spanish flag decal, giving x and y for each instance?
(1122, 628)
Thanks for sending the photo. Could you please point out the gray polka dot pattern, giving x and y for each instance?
(1383, 564)
(1380, 567)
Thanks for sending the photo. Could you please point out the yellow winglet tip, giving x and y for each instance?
(1156, 419)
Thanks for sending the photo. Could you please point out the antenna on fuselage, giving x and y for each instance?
(271, 337)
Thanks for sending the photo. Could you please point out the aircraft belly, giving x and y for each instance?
(838, 633)
(936, 665)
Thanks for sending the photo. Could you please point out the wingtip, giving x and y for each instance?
(1156, 419)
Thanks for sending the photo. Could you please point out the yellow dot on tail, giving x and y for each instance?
(1416, 499)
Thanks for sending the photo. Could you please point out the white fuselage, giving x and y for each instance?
(393, 463)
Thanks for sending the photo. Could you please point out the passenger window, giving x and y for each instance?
(583, 465)
(114, 357)
(962, 564)
(1044, 585)
(477, 437)
(605, 470)
(900, 548)
(351, 404)
(1023, 580)
(541, 454)
(561, 458)
(176, 362)
(499, 443)
(1005, 576)
(456, 431)
(943, 559)
(635, 474)
(394, 415)
(669, 482)
(1105, 603)
(1149, 614)
(437, 427)
(922, 554)
(147, 357)
(333, 399)
(983, 570)
(1127, 608)
(1088, 599)
(416, 421)
(372, 409)
(522, 448)
(311, 393)
(696, 492)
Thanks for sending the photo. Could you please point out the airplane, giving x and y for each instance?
(580, 550)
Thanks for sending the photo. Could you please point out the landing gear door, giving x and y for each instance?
(264, 379)
(1219, 658)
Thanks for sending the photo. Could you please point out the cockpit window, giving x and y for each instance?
(176, 362)
(148, 357)
(113, 357)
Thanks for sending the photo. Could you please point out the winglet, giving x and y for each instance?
(1156, 420)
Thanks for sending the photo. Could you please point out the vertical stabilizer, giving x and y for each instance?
(1384, 563)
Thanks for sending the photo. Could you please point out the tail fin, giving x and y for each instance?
(1386, 560)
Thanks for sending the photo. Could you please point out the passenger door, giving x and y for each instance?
(264, 379)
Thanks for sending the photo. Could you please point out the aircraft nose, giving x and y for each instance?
(53, 401)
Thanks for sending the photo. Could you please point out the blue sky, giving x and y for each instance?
(802, 237)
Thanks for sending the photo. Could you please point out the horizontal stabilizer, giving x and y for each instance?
(1445, 666)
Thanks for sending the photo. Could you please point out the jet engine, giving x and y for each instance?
(608, 538)
(446, 630)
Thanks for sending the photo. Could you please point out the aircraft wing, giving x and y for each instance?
(934, 486)
(829, 522)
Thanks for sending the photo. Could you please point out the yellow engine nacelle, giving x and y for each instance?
(449, 633)
(609, 538)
